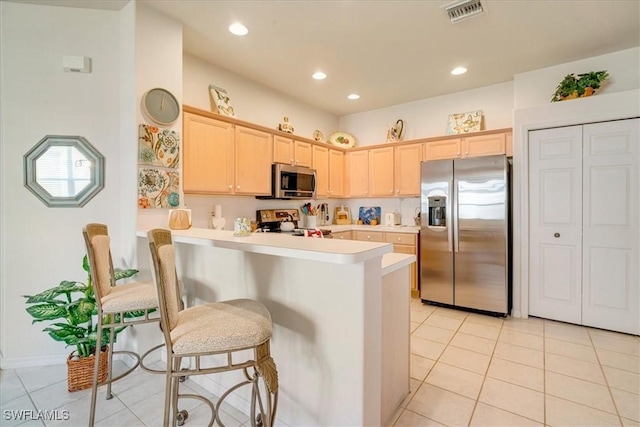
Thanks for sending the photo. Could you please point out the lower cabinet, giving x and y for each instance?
(342, 235)
(404, 243)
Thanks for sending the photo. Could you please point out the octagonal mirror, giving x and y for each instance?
(64, 171)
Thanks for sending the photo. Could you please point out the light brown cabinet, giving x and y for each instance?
(208, 155)
(381, 172)
(252, 162)
(404, 243)
(358, 173)
(468, 146)
(291, 151)
(509, 144)
(329, 166)
(342, 235)
(336, 173)
(220, 158)
(369, 236)
(407, 169)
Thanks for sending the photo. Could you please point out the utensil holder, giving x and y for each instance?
(311, 221)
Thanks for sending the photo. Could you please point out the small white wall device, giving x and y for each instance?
(76, 64)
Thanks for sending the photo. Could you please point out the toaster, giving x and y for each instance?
(392, 219)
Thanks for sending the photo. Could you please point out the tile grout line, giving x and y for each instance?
(606, 380)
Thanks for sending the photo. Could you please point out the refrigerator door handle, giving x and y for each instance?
(454, 196)
(449, 216)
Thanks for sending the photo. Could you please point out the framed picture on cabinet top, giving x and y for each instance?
(220, 98)
(468, 122)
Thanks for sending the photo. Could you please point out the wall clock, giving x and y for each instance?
(160, 106)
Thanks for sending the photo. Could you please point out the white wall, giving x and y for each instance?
(252, 102)
(42, 246)
(428, 117)
(537, 87)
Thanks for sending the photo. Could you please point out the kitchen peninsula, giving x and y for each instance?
(340, 313)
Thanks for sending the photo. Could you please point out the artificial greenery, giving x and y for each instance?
(74, 304)
(573, 86)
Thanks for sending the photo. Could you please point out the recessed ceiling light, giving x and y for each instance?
(458, 70)
(319, 75)
(353, 96)
(238, 29)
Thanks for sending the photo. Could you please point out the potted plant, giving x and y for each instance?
(579, 86)
(72, 306)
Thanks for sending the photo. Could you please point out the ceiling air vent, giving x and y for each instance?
(464, 9)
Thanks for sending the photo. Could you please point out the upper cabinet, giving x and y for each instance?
(253, 162)
(292, 151)
(208, 155)
(358, 173)
(381, 172)
(222, 158)
(486, 144)
(224, 155)
(336, 173)
(407, 169)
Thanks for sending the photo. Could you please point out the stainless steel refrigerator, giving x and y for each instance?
(464, 236)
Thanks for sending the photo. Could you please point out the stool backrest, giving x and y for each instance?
(164, 264)
(96, 238)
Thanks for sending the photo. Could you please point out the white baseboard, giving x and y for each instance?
(51, 359)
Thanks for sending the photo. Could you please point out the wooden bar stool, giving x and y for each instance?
(218, 328)
(113, 303)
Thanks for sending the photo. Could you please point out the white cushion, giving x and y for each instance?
(130, 297)
(221, 326)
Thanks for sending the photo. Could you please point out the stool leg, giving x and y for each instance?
(167, 390)
(175, 384)
(110, 372)
(96, 368)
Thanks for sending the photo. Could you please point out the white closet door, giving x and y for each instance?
(611, 197)
(555, 205)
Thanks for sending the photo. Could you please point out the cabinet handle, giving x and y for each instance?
(237, 187)
(230, 187)
(368, 237)
(398, 239)
(397, 191)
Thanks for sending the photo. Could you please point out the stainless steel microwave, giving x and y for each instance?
(293, 182)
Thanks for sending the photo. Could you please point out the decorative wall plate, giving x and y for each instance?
(318, 136)
(342, 139)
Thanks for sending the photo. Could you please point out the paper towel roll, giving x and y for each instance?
(217, 211)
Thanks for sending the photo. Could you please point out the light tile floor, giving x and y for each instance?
(466, 370)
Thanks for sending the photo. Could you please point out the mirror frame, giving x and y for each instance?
(83, 146)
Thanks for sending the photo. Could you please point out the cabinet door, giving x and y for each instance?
(509, 144)
(358, 168)
(407, 169)
(342, 235)
(369, 236)
(302, 153)
(611, 226)
(253, 162)
(381, 172)
(336, 173)
(283, 150)
(555, 223)
(445, 149)
(321, 165)
(483, 145)
(207, 155)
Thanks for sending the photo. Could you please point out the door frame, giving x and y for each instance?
(599, 108)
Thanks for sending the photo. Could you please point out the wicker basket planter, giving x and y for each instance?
(80, 370)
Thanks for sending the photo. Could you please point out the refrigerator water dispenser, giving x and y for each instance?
(437, 211)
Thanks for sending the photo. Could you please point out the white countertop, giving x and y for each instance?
(326, 250)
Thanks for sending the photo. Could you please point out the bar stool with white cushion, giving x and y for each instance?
(113, 302)
(217, 328)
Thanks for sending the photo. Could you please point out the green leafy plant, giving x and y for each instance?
(573, 86)
(74, 305)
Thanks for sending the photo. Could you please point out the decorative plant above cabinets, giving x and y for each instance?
(579, 86)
